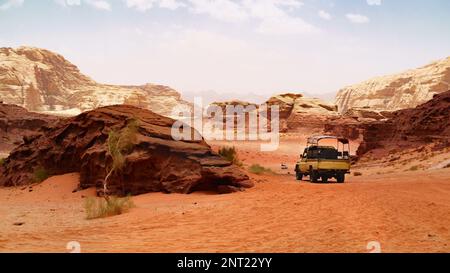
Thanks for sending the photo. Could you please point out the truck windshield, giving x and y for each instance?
(328, 153)
(322, 153)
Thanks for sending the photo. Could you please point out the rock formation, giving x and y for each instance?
(427, 123)
(300, 113)
(155, 161)
(365, 114)
(16, 123)
(395, 92)
(223, 105)
(41, 80)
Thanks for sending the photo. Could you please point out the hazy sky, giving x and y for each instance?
(227, 46)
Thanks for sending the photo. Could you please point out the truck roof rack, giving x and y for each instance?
(314, 140)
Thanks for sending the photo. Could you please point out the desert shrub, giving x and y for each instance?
(101, 207)
(230, 154)
(40, 174)
(447, 166)
(414, 168)
(357, 174)
(258, 169)
(2, 161)
(119, 143)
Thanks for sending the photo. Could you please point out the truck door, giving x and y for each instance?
(304, 162)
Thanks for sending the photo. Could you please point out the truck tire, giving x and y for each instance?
(298, 175)
(313, 175)
(340, 177)
(324, 179)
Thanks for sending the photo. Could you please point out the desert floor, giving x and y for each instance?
(402, 209)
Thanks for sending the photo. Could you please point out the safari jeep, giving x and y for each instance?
(324, 162)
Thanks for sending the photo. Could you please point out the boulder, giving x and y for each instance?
(155, 163)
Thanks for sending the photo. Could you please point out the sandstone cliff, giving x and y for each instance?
(296, 112)
(405, 90)
(300, 113)
(41, 80)
(411, 128)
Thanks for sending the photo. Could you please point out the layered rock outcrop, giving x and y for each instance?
(300, 113)
(400, 91)
(17, 123)
(155, 162)
(296, 112)
(427, 123)
(40, 80)
(223, 105)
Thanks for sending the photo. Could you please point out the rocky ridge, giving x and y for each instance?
(40, 80)
(415, 127)
(399, 91)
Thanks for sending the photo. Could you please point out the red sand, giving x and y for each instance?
(405, 214)
(406, 211)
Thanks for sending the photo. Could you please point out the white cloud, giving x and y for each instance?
(11, 4)
(66, 3)
(99, 4)
(141, 5)
(275, 19)
(171, 4)
(324, 15)
(144, 5)
(261, 9)
(374, 2)
(273, 15)
(224, 10)
(357, 18)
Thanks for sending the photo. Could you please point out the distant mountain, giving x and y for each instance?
(400, 91)
(43, 81)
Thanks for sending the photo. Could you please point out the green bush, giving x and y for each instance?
(105, 207)
(230, 154)
(2, 161)
(119, 144)
(258, 169)
(40, 174)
